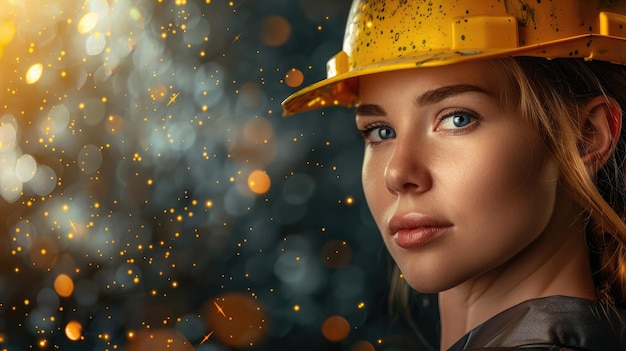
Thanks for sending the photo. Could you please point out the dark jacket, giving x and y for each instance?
(550, 323)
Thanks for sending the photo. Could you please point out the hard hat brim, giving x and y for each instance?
(341, 89)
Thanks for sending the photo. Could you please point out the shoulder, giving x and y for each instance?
(547, 348)
(550, 324)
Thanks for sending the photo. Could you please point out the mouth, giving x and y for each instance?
(415, 230)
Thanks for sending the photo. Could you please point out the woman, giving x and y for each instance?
(495, 161)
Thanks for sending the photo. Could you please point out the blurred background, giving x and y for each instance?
(152, 197)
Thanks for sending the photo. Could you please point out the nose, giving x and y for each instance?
(407, 169)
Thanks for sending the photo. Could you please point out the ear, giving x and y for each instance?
(601, 125)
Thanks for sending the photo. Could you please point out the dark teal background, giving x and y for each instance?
(143, 207)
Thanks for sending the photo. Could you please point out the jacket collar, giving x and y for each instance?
(551, 321)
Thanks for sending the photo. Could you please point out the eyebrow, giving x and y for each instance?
(370, 110)
(427, 98)
(436, 95)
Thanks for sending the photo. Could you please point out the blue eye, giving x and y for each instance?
(456, 120)
(383, 133)
(376, 134)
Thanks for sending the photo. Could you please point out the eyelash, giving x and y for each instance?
(474, 116)
(366, 132)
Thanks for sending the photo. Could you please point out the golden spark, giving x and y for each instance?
(73, 225)
(237, 37)
(206, 338)
(173, 99)
(219, 309)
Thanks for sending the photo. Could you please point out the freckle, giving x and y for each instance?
(463, 37)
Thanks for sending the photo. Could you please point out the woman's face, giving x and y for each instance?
(457, 184)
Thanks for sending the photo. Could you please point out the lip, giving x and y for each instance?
(413, 230)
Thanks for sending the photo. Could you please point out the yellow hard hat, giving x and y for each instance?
(387, 35)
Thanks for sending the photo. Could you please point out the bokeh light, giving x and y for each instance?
(362, 346)
(88, 22)
(63, 285)
(34, 73)
(335, 328)
(73, 330)
(238, 320)
(294, 78)
(7, 32)
(259, 182)
(159, 339)
(275, 30)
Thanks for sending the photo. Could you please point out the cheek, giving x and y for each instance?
(513, 190)
(376, 193)
(368, 181)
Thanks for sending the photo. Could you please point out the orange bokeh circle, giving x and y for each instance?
(335, 328)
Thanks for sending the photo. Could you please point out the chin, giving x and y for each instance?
(429, 286)
(428, 281)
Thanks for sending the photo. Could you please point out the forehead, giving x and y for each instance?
(485, 74)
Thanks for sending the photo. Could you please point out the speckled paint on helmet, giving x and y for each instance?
(384, 35)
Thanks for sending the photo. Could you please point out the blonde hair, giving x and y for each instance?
(550, 94)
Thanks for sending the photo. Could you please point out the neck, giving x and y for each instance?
(552, 265)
